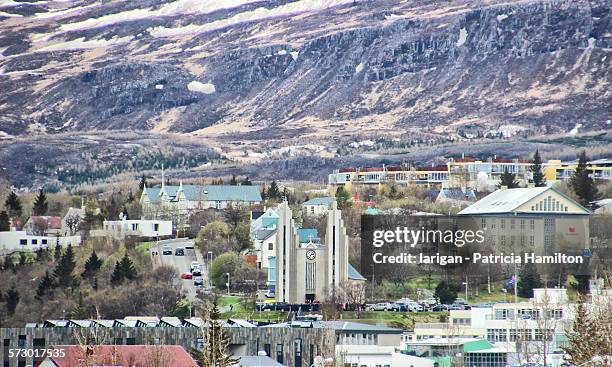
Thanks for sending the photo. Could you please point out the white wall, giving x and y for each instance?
(21, 241)
(137, 227)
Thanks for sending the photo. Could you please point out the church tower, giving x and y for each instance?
(337, 244)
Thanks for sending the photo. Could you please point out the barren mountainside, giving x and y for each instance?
(252, 76)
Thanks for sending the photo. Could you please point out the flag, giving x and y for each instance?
(510, 282)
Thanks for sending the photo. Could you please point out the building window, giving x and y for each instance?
(503, 224)
(156, 227)
(512, 226)
(483, 223)
(270, 246)
(34, 242)
(23, 242)
(522, 223)
(44, 242)
(532, 224)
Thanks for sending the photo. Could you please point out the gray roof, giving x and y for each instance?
(340, 326)
(208, 193)
(353, 274)
(264, 234)
(326, 200)
(507, 201)
(263, 361)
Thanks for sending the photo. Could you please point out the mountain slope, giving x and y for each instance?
(332, 71)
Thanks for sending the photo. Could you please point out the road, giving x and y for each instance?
(182, 264)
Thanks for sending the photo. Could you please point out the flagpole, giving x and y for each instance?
(515, 283)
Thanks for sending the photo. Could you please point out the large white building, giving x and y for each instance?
(120, 229)
(11, 241)
(524, 331)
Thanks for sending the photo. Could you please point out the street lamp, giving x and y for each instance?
(228, 283)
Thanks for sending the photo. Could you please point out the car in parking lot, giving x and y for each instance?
(186, 276)
(189, 246)
(179, 251)
(194, 264)
(166, 250)
(196, 270)
(198, 281)
(381, 306)
(439, 307)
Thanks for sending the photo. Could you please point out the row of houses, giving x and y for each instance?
(482, 175)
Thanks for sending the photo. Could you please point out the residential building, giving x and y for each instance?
(556, 170)
(119, 229)
(119, 355)
(177, 203)
(11, 241)
(297, 347)
(308, 269)
(266, 219)
(71, 220)
(43, 225)
(317, 206)
(479, 174)
(456, 196)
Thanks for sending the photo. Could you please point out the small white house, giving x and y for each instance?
(378, 356)
(317, 206)
(11, 241)
(119, 229)
(265, 245)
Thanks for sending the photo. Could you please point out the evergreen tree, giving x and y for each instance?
(124, 269)
(40, 204)
(46, 285)
(5, 221)
(92, 265)
(246, 182)
(128, 268)
(141, 185)
(264, 192)
(581, 345)
(508, 179)
(528, 280)
(12, 300)
(23, 259)
(446, 293)
(57, 253)
(8, 263)
(217, 341)
(536, 170)
(273, 192)
(42, 254)
(13, 205)
(233, 181)
(342, 197)
(63, 272)
(117, 275)
(582, 183)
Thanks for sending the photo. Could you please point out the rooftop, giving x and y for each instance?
(326, 200)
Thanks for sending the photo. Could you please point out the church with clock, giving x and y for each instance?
(308, 269)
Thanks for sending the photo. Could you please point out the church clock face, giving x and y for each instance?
(311, 254)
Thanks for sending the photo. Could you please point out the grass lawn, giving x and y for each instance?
(145, 247)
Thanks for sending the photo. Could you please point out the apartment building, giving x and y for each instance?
(480, 174)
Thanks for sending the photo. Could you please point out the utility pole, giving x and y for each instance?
(228, 283)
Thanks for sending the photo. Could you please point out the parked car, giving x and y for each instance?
(439, 307)
(179, 251)
(194, 264)
(189, 246)
(269, 293)
(196, 270)
(382, 306)
(166, 250)
(198, 281)
(414, 307)
(186, 276)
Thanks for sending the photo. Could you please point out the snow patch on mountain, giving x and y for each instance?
(298, 7)
(206, 88)
(80, 44)
(180, 7)
(462, 37)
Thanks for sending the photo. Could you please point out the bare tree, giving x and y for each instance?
(157, 356)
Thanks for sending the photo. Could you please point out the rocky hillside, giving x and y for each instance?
(327, 72)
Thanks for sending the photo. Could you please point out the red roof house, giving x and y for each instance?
(119, 356)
